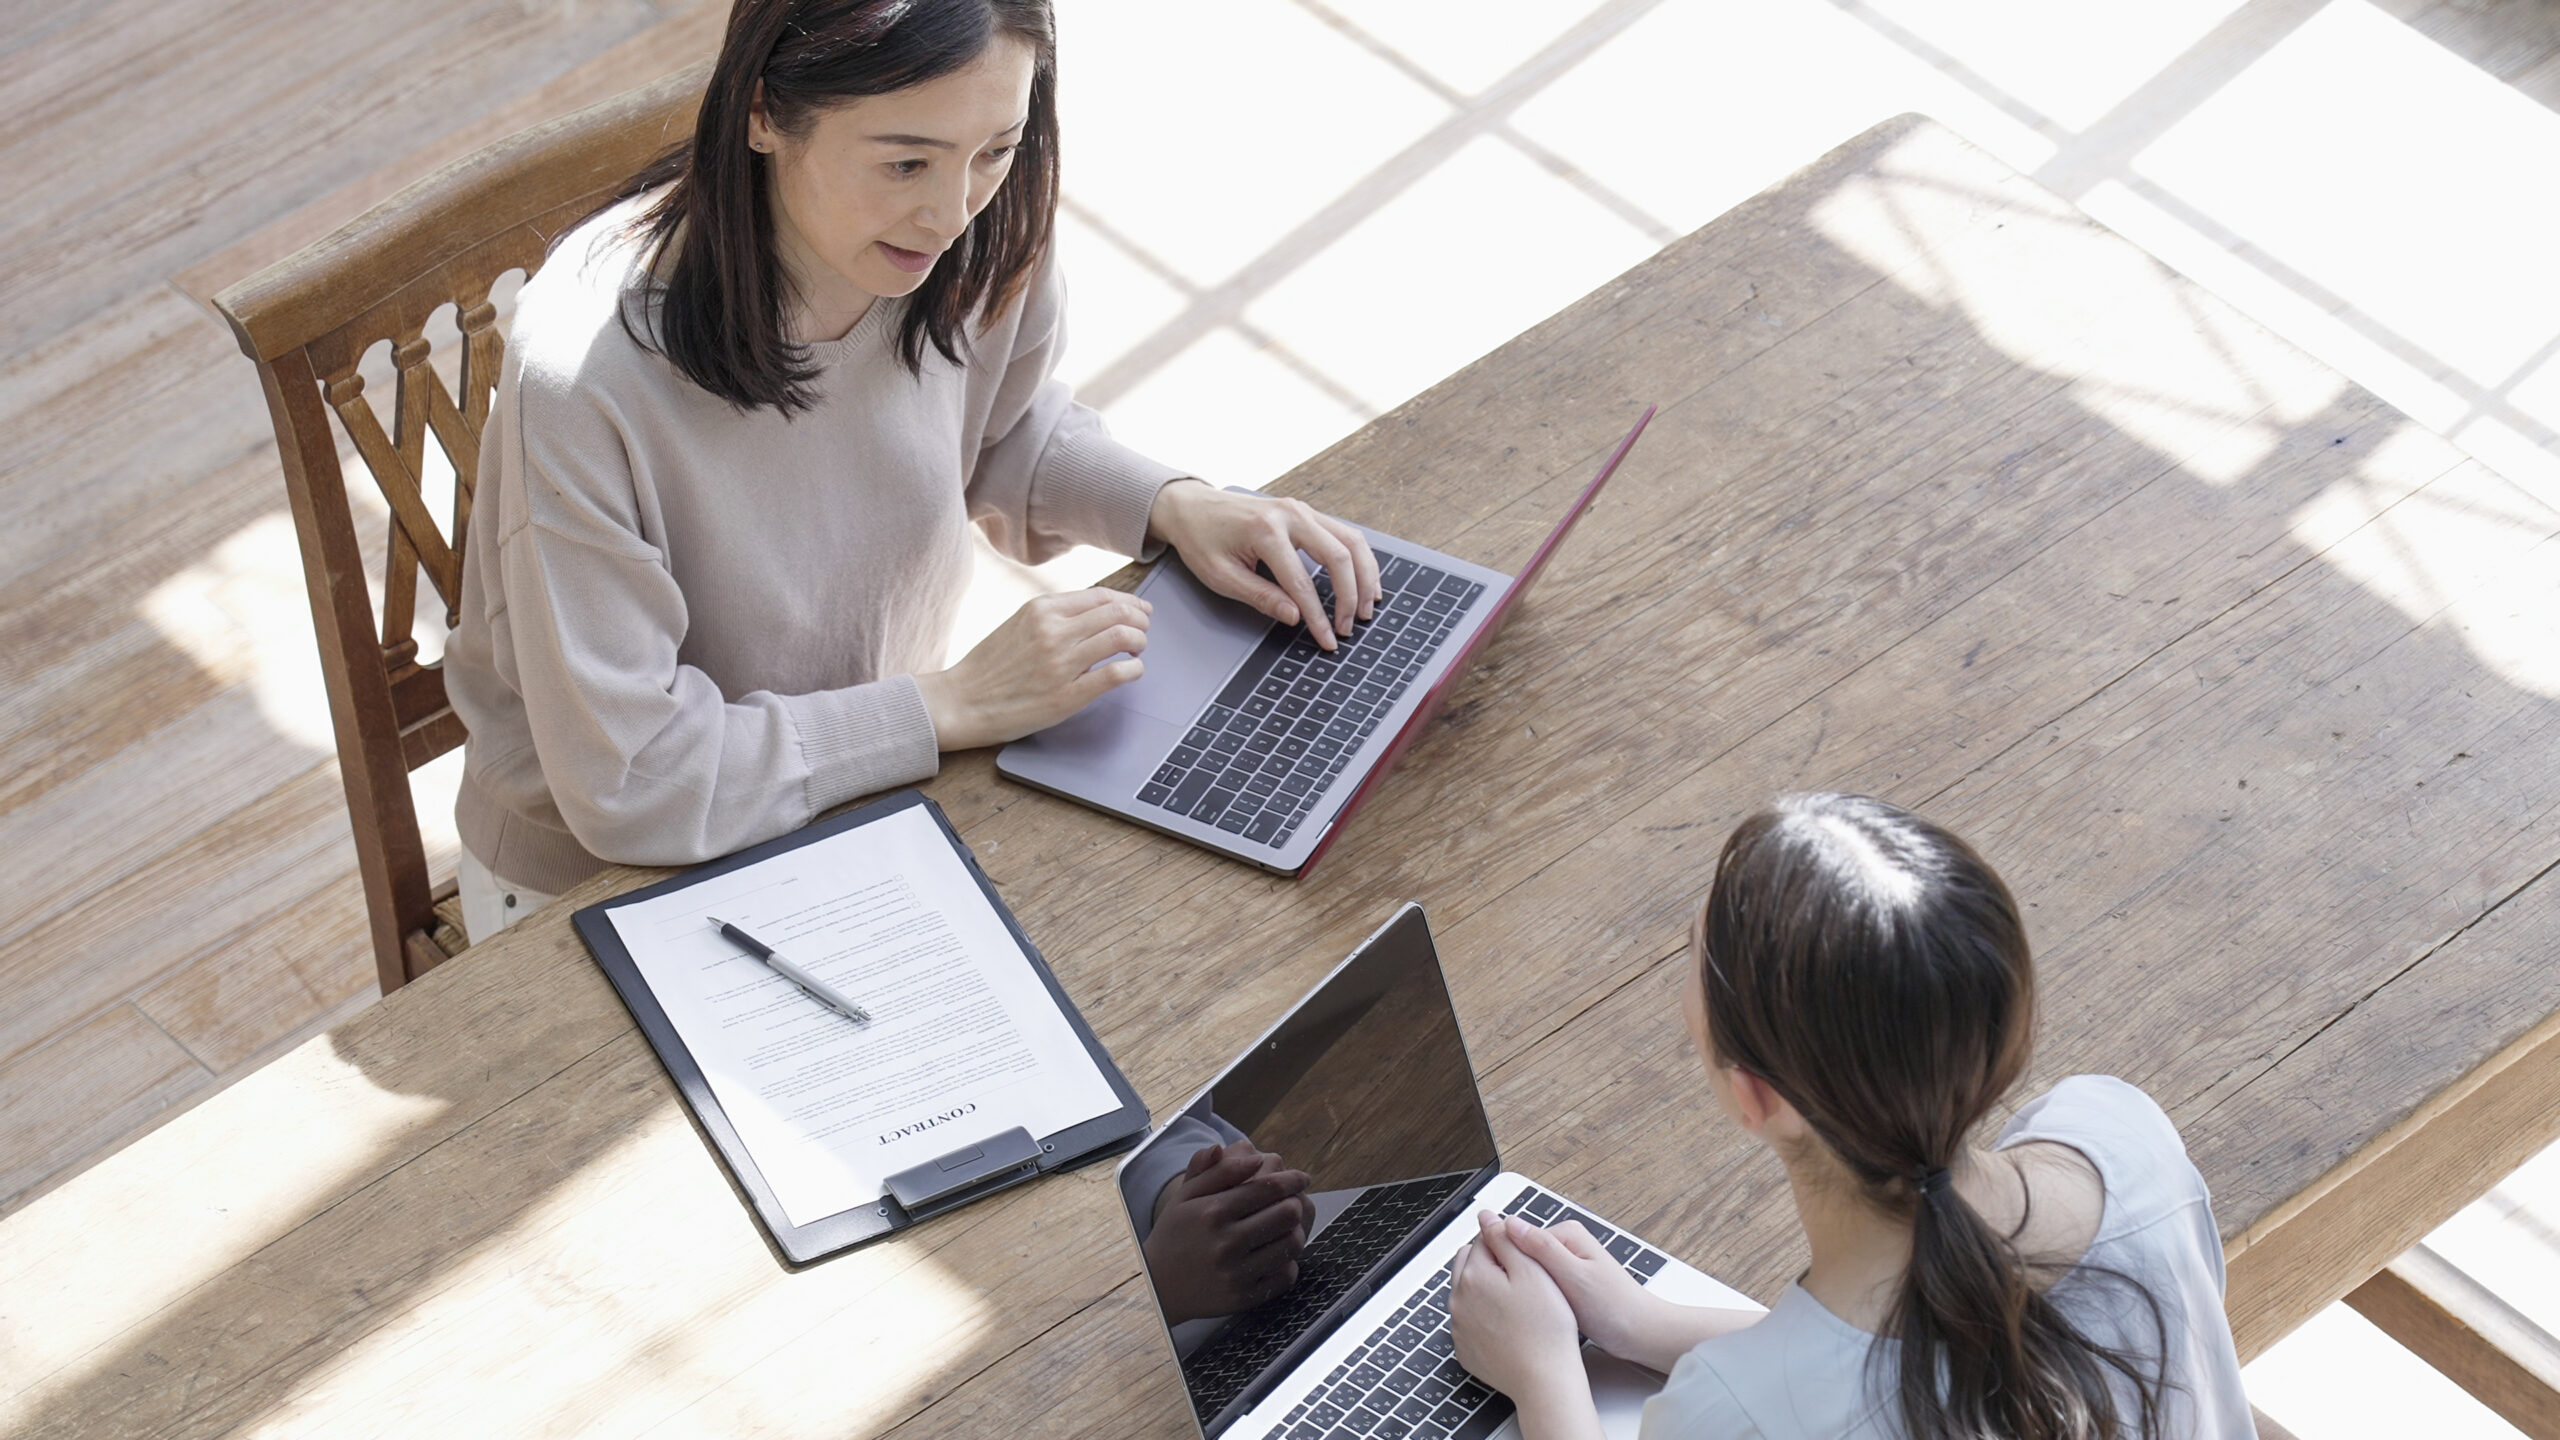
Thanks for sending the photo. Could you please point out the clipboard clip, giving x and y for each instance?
(979, 1168)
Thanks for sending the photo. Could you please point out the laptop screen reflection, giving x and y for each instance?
(1320, 1160)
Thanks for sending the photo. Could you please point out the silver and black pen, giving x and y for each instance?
(818, 990)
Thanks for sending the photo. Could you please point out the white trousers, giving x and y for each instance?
(490, 904)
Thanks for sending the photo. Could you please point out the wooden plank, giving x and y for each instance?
(322, 939)
(103, 1077)
(105, 652)
(1118, 1336)
(315, 1021)
(231, 878)
(2505, 41)
(248, 990)
(87, 827)
(689, 35)
(2472, 1337)
(2449, 1143)
(235, 84)
(107, 429)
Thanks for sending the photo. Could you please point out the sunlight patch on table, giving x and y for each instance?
(2411, 388)
(249, 1165)
(914, 1345)
(2200, 384)
(2471, 555)
(650, 1286)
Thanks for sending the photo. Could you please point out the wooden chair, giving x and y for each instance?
(307, 321)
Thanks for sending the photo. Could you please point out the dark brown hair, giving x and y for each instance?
(721, 297)
(1874, 971)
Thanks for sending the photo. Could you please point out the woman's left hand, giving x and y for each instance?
(1515, 1332)
(1224, 534)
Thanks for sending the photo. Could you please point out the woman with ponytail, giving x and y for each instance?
(747, 417)
(1860, 989)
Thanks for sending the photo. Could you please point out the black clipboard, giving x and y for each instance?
(979, 1167)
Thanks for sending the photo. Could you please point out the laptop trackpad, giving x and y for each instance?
(1194, 640)
(1619, 1389)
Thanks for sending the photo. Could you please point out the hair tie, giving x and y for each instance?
(1934, 1180)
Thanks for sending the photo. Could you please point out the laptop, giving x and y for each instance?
(1365, 1085)
(1244, 737)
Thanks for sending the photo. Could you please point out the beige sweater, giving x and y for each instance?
(686, 629)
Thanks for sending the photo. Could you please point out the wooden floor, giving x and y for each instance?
(178, 902)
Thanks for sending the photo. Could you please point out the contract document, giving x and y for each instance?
(965, 1039)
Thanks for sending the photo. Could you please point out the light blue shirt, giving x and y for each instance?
(1804, 1372)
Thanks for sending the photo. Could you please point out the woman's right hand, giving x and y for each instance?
(1612, 1306)
(1608, 1303)
(1039, 667)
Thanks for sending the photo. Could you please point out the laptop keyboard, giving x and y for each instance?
(1258, 756)
(1331, 1264)
(1405, 1382)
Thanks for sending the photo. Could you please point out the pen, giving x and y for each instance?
(818, 990)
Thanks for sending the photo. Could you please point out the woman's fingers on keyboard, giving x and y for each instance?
(1262, 594)
(1362, 566)
(1570, 1236)
(1323, 538)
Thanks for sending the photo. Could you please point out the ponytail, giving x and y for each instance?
(1874, 971)
(2012, 1363)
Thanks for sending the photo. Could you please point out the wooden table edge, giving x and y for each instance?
(2341, 1229)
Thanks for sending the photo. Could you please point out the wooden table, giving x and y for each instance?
(1955, 498)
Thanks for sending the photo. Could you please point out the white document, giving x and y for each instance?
(964, 1041)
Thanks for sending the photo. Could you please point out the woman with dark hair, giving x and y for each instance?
(746, 418)
(1863, 998)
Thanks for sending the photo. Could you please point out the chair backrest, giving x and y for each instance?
(307, 321)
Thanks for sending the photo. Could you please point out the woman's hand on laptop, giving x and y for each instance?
(1515, 1331)
(1228, 1232)
(1224, 534)
(1612, 1306)
(1043, 664)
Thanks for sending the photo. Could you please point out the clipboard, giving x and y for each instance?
(978, 1167)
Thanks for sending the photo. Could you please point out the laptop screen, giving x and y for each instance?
(1365, 1089)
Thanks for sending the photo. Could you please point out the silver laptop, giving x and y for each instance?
(1365, 1085)
(1244, 737)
